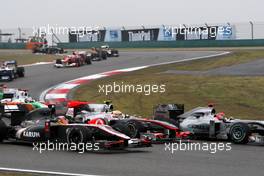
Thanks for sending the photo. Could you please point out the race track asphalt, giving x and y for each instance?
(241, 160)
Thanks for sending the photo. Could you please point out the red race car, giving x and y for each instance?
(77, 59)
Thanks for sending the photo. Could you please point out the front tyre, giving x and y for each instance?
(133, 130)
(239, 133)
(76, 136)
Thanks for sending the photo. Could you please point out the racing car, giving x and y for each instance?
(13, 97)
(10, 71)
(97, 54)
(41, 125)
(205, 123)
(111, 52)
(44, 49)
(134, 127)
(77, 59)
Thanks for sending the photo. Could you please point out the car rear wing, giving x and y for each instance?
(168, 112)
(15, 112)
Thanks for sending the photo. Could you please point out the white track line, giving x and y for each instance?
(190, 59)
(42, 172)
(38, 63)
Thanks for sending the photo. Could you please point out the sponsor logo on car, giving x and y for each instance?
(31, 134)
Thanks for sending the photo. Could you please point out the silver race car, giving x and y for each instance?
(204, 122)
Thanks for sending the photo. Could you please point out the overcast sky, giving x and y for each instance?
(28, 13)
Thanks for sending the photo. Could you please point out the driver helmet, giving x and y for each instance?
(220, 115)
(117, 114)
(28, 100)
(109, 105)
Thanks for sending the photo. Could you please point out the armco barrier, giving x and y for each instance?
(151, 44)
(12, 45)
(167, 44)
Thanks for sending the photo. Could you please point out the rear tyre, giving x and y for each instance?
(88, 60)
(3, 131)
(115, 53)
(129, 128)
(11, 76)
(78, 63)
(104, 55)
(58, 61)
(21, 72)
(239, 133)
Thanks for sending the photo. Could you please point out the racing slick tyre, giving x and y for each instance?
(133, 129)
(239, 133)
(88, 60)
(78, 63)
(104, 55)
(109, 55)
(93, 55)
(77, 135)
(3, 130)
(21, 72)
(129, 128)
(58, 61)
(11, 76)
(115, 53)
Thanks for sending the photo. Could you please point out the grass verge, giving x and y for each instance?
(25, 56)
(17, 174)
(237, 57)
